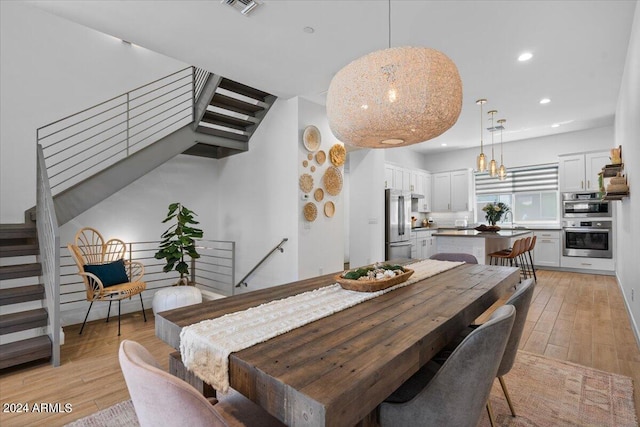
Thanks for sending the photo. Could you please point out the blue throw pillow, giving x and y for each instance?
(110, 274)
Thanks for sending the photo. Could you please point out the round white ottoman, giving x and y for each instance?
(174, 297)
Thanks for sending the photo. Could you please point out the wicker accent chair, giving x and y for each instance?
(120, 278)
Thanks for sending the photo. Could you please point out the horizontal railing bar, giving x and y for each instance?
(162, 87)
(87, 149)
(157, 114)
(88, 138)
(82, 121)
(159, 130)
(107, 101)
(160, 96)
(89, 167)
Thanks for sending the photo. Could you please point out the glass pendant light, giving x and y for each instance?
(482, 160)
(502, 172)
(493, 168)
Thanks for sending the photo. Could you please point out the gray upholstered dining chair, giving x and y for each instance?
(521, 300)
(445, 256)
(161, 399)
(456, 393)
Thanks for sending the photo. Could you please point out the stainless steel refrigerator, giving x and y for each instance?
(397, 215)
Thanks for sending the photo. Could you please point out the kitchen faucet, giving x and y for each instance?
(510, 215)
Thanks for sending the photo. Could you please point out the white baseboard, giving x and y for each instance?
(634, 323)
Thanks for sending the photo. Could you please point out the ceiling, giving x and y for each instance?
(578, 47)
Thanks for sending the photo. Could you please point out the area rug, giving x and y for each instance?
(549, 392)
(546, 393)
(119, 415)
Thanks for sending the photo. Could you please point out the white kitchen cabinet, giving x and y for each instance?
(547, 250)
(424, 205)
(388, 176)
(579, 172)
(451, 191)
(397, 178)
(441, 191)
(425, 244)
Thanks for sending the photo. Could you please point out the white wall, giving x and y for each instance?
(51, 68)
(366, 206)
(627, 134)
(321, 242)
(527, 152)
(405, 157)
(135, 214)
(258, 193)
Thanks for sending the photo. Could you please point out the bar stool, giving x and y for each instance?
(509, 257)
(532, 245)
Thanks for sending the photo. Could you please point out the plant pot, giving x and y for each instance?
(182, 282)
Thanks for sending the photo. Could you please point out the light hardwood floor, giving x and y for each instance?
(576, 317)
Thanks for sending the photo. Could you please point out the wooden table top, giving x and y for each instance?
(335, 371)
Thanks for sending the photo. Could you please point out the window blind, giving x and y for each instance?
(520, 180)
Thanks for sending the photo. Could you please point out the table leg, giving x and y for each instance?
(176, 367)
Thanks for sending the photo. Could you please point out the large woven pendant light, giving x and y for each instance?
(395, 96)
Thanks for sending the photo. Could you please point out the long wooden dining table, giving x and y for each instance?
(337, 370)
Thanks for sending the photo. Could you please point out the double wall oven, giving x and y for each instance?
(587, 226)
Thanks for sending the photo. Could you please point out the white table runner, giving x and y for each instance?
(206, 346)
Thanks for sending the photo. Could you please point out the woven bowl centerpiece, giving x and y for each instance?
(401, 95)
(373, 278)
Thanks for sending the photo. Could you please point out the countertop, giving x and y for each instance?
(487, 235)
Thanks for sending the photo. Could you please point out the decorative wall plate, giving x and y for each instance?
(337, 154)
(313, 168)
(310, 211)
(305, 163)
(306, 182)
(329, 209)
(321, 157)
(311, 138)
(318, 194)
(310, 156)
(332, 180)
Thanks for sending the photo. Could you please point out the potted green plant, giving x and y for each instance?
(494, 212)
(178, 241)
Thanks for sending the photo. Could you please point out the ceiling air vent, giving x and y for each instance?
(243, 6)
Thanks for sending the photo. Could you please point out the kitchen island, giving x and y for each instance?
(479, 244)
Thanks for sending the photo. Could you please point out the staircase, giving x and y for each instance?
(101, 150)
(23, 319)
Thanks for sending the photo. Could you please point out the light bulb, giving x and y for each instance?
(502, 173)
(493, 168)
(482, 163)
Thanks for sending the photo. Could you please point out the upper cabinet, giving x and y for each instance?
(579, 172)
(397, 178)
(452, 191)
(416, 181)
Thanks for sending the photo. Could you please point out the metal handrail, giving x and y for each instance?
(49, 249)
(278, 247)
(93, 139)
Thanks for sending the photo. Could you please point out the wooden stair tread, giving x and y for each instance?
(19, 250)
(23, 320)
(241, 89)
(233, 104)
(21, 294)
(18, 231)
(20, 270)
(222, 133)
(226, 121)
(24, 351)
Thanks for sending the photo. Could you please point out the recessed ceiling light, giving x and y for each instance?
(308, 30)
(525, 56)
(555, 125)
(444, 144)
(545, 101)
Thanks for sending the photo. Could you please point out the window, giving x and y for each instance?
(530, 192)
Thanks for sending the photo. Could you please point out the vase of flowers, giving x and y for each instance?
(494, 212)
